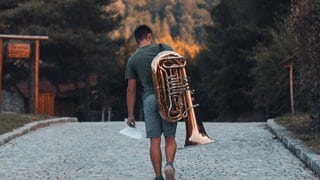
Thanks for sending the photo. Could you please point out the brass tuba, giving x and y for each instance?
(174, 95)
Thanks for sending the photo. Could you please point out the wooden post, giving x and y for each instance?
(288, 63)
(34, 86)
(291, 87)
(36, 77)
(1, 64)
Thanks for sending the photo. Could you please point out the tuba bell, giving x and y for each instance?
(174, 95)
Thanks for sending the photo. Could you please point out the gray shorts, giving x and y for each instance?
(155, 125)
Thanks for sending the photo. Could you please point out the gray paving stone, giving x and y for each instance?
(309, 157)
(98, 151)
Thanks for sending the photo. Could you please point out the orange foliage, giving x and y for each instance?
(180, 46)
(173, 22)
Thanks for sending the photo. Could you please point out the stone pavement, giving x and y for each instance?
(96, 150)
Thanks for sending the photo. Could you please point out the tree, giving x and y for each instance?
(184, 19)
(226, 81)
(271, 89)
(305, 23)
(78, 32)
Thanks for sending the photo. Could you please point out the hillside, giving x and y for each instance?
(176, 22)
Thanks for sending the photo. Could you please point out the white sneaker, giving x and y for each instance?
(169, 172)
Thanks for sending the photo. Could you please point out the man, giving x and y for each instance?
(139, 69)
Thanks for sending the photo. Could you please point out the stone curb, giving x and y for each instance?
(305, 154)
(6, 137)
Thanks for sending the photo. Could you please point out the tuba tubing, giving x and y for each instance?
(174, 95)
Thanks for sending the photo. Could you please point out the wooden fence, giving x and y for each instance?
(46, 103)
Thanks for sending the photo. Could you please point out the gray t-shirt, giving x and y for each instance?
(139, 66)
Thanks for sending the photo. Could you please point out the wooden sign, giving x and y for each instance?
(18, 50)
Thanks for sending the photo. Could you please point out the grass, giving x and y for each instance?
(10, 121)
(299, 125)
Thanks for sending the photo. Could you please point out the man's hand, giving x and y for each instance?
(131, 122)
(131, 98)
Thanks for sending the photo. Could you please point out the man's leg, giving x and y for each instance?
(153, 131)
(170, 148)
(156, 155)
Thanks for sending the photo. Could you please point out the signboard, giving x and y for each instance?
(18, 50)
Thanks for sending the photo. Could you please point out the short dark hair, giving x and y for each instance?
(141, 32)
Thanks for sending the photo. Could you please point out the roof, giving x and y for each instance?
(45, 86)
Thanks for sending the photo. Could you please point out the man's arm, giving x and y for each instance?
(131, 98)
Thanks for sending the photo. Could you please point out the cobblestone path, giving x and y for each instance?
(98, 151)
